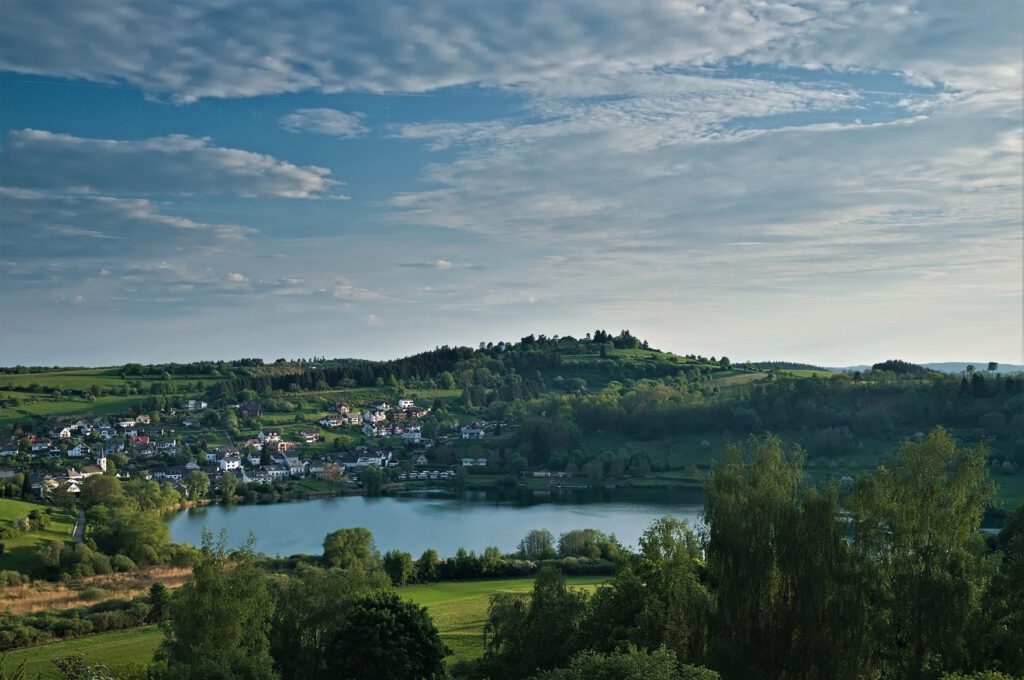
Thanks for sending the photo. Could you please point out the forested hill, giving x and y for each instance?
(608, 403)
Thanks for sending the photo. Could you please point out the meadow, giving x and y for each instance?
(18, 550)
(459, 610)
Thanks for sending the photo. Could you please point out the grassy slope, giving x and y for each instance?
(18, 552)
(458, 610)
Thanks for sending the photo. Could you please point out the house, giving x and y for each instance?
(316, 468)
(420, 460)
(140, 440)
(42, 483)
(406, 404)
(275, 471)
(250, 409)
(358, 462)
(255, 444)
(254, 458)
(296, 466)
(373, 417)
(195, 405)
(9, 448)
(173, 474)
(266, 436)
(230, 462)
(79, 450)
(331, 421)
(41, 444)
(279, 446)
(354, 419)
(142, 419)
(61, 433)
(191, 465)
(472, 433)
(474, 462)
(125, 423)
(412, 434)
(70, 486)
(90, 470)
(382, 406)
(310, 436)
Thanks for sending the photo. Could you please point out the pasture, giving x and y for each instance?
(18, 550)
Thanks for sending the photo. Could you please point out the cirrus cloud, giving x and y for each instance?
(173, 164)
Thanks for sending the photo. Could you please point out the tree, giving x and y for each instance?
(197, 483)
(783, 608)
(385, 637)
(537, 545)
(373, 480)
(310, 606)
(631, 664)
(658, 600)
(426, 566)
(918, 525)
(399, 567)
(332, 474)
(993, 366)
(526, 634)
(159, 602)
(351, 549)
(228, 485)
(220, 620)
(99, 489)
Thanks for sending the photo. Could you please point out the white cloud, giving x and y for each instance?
(235, 277)
(344, 289)
(193, 49)
(175, 164)
(325, 122)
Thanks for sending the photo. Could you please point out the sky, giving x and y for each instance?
(837, 182)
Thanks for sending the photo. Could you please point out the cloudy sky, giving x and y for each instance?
(834, 182)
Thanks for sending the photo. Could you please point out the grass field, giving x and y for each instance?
(134, 646)
(18, 553)
(458, 609)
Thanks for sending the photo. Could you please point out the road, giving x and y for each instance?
(79, 526)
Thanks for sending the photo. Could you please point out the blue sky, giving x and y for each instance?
(834, 182)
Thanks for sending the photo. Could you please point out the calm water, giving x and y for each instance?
(443, 523)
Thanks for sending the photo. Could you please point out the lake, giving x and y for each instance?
(440, 521)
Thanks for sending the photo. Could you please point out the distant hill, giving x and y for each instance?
(961, 366)
(788, 366)
(946, 367)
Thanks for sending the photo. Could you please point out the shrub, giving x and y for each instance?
(92, 594)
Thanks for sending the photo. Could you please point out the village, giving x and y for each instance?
(169, 447)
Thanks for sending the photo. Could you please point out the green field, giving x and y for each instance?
(18, 553)
(458, 609)
(134, 646)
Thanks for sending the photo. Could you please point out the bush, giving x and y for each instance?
(92, 594)
(123, 564)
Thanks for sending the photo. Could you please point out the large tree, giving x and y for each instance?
(310, 606)
(382, 636)
(219, 621)
(918, 524)
(788, 602)
(351, 549)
